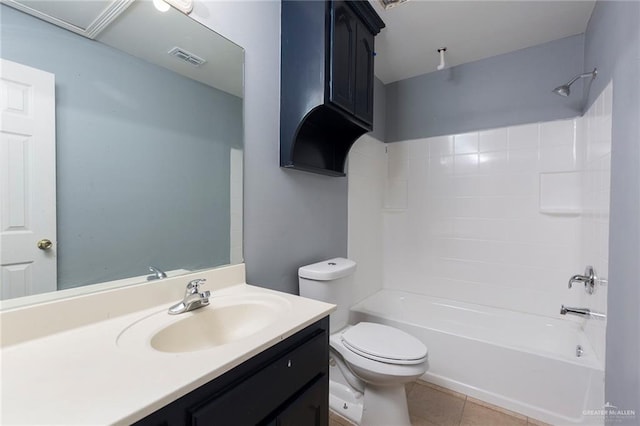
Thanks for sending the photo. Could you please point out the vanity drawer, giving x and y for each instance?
(255, 398)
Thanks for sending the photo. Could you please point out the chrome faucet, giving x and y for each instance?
(193, 298)
(583, 312)
(158, 274)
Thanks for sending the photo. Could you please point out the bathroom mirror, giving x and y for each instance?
(148, 140)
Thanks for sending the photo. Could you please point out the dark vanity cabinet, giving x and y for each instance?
(327, 81)
(288, 384)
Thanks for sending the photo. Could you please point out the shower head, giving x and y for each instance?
(565, 90)
(562, 90)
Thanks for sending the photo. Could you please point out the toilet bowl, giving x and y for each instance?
(384, 359)
(368, 359)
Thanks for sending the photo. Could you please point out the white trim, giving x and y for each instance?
(107, 16)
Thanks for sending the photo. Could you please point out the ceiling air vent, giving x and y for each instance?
(388, 4)
(187, 56)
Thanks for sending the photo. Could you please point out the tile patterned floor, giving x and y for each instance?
(431, 405)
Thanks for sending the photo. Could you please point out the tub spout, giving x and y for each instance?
(583, 312)
(564, 310)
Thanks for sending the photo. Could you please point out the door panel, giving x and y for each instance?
(364, 75)
(27, 180)
(343, 56)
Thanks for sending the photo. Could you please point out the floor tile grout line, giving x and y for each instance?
(464, 405)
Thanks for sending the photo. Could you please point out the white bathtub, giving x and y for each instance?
(522, 362)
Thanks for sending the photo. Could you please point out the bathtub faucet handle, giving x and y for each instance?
(588, 279)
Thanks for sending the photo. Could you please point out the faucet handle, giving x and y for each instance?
(194, 285)
(588, 279)
(157, 274)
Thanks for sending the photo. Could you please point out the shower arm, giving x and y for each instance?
(591, 74)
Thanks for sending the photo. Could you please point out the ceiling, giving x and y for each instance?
(471, 30)
(144, 32)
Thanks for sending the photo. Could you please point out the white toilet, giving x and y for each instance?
(370, 363)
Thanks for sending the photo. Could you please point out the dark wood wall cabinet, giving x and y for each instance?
(326, 99)
(288, 384)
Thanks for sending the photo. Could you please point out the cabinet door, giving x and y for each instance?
(342, 56)
(254, 398)
(311, 408)
(364, 75)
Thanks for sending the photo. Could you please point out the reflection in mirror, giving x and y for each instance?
(141, 149)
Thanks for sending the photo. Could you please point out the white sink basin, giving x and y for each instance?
(214, 327)
(226, 319)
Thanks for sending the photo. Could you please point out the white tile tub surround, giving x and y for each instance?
(471, 228)
(366, 192)
(465, 217)
(595, 154)
(500, 218)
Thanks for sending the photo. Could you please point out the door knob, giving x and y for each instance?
(45, 244)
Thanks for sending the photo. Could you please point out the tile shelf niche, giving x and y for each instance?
(560, 194)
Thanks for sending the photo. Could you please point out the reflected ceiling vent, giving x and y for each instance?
(388, 4)
(186, 56)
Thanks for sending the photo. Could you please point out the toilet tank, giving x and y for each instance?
(330, 281)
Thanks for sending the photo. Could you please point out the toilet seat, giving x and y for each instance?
(374, 371)
(384, 344)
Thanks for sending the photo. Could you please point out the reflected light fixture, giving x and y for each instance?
(388, 4)
(161, 5)
(184, 6)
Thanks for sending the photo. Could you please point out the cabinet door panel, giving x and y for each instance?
(252, 400)
(343, 56)
(364, 75)
(311, 408)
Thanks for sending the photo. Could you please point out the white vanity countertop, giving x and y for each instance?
(82, 377)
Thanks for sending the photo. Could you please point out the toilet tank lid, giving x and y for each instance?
(327, 270)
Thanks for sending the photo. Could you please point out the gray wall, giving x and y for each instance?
(290, 218)
(379, 111)
(142, 157)
(509, 89)
(612, 44)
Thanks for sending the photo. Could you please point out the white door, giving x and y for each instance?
(27, 181)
